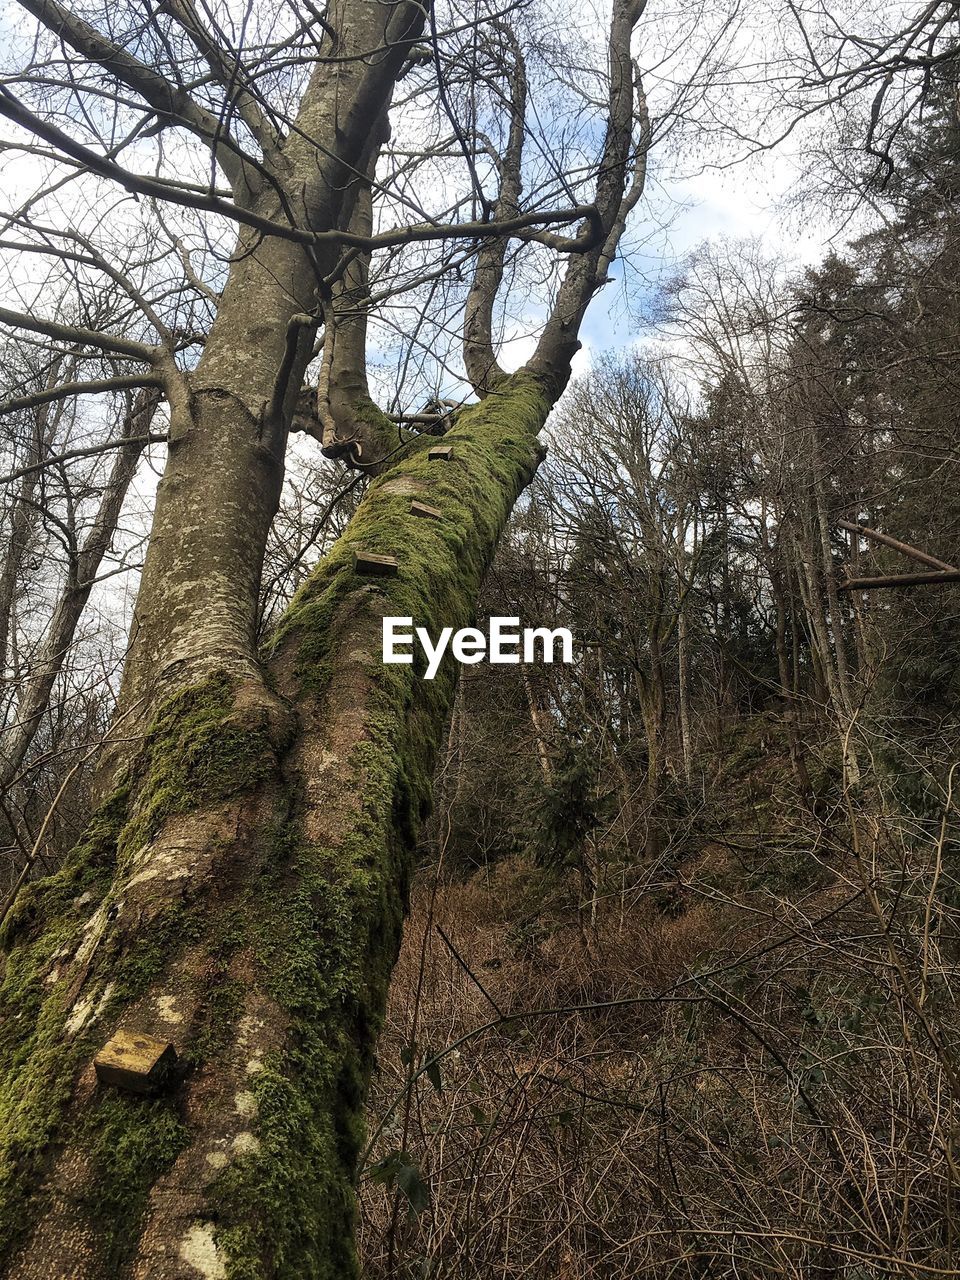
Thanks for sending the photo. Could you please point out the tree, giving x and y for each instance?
(799, 1039)
(241, 889)
(622, 466)
(61, 526)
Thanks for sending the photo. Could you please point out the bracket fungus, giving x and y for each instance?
(379, 566)
(136, 1062)
(425, 511)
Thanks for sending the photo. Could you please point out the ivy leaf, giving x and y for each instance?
(385, 1170)
(397, 1169)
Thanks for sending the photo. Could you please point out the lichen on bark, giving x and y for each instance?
(332, 904)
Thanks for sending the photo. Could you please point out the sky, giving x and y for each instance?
(685, 205)
(678, 213)
(749, 202)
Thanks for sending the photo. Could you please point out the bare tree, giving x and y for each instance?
(241, 890)
(619, 471)
(84, 561)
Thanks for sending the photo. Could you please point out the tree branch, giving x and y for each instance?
(480, 358)
(559, 342)
(76, 334)
(900, 580)
(88, 452)
(171, 103)
(140, 184)
(903, 547)
(229, 72)
(120, 382)
(353, 427)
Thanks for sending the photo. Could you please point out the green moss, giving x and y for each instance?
(199, 749)
(329, 928)
(34, 1092)
(37, 1065)
(368, 412)
(132, 1141)
(442, 562)
(213, 1026)
(330, 919)
(323, 924)
(131, 970)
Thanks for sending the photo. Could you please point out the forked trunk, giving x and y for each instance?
(240, 893)
(241, 896)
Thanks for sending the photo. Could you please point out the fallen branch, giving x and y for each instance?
(903, 547)
(901, 580)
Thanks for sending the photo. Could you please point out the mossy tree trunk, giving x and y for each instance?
(242, 896)
(241, 890)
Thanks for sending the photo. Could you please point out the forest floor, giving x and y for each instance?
(699, 1074)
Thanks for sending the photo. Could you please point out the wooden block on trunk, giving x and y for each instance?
(133, 1061)
(381, 566)
(429, 513)
(440, 452)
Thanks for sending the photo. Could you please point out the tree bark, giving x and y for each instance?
(197, 605)
(244, 899)
(901, 580)
(683, 693)
(24, 515)
(241, 891)
(789, 694)
(537, 724)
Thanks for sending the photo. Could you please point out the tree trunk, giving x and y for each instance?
(789, 694)
(537, 724)
(683, 683)
(229, 419)
(242, 897)
(844, 682)
(241, 890)
(832, 666)
(24, 515)
(653, 707)
(73, 598)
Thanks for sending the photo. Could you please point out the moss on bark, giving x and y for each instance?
(199, 750)
(442, 562)
(132, 1141)
(316, 920)
(327, 935)
(331, 915)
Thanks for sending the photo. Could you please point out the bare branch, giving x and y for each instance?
(903, 547)
(182, 194)
(229, 72)
(77, 334)
(483, 368)
(65, 390)
(559, 342)
(900, 580)
(88, 451)
(172, 104)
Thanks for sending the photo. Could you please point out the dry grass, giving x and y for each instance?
(772, 1098)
